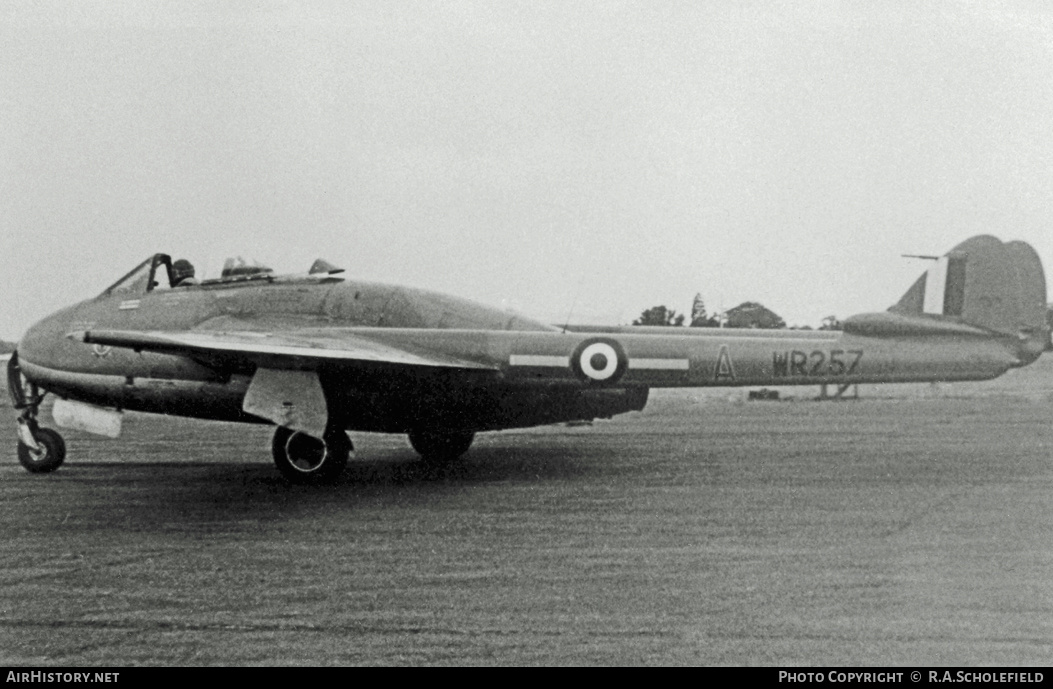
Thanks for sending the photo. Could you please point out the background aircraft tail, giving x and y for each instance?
(989, 284)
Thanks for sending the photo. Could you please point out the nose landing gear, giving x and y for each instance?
(40, 450)
(48, 455)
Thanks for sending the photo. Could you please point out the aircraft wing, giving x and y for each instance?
(285, 387)
(294, 349)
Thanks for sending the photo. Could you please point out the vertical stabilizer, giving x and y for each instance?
(986, 283)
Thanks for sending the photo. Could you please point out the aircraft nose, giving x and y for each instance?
(31, 346)
(45, 343)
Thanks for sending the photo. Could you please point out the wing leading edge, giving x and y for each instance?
(302, 349)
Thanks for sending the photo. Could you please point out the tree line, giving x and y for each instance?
(748, 314)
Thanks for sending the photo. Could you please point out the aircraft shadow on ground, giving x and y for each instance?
(194, 496)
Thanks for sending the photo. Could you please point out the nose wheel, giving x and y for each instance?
(48, 455)
(40, 450)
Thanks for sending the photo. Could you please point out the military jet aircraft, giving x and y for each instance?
(319, 355)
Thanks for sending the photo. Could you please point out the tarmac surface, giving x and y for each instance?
(911, 527)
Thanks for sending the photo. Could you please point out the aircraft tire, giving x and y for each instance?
(305, 459)
(50, 457)
(439, 447)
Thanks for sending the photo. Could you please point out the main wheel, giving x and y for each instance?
(49, 457)
(303, 458)
(440, 447)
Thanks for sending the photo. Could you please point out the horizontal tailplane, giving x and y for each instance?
(983, 282)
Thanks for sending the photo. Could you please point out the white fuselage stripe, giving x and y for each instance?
(538, 360)
(660, 364)
(563, 362)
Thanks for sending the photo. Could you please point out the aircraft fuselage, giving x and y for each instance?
(316, 355)
(537, 373)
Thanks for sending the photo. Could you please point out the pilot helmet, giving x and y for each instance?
(182, 269)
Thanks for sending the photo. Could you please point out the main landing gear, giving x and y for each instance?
(40, 450)
(306, 459)
(303, 458)
(438, 448)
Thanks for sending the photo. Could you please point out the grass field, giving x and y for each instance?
(912, 526)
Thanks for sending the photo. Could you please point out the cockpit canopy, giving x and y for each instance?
(238, 267)
(159, 272)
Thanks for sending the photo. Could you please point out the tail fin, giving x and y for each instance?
(989, 284)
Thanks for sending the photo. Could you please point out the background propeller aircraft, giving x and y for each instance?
(318, 355)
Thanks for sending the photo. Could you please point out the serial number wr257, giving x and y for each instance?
(835, 362)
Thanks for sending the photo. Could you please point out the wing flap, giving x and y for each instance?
(295, 348)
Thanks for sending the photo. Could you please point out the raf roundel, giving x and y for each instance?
(599, 361)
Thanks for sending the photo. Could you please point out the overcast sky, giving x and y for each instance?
(583, 158)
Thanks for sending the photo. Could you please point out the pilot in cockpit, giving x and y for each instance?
(183, 273)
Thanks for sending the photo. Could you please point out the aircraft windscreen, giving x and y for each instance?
(134, 282)
(138, 280)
